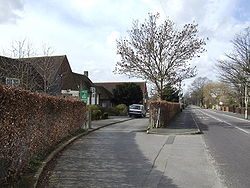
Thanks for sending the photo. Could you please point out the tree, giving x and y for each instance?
(216, 92)
(22, 50)
(127, 93)
(235, 70)
(22, 71)
(19, 74)
(46, 68)
(159, 53)
(197, 90)
(170, 93)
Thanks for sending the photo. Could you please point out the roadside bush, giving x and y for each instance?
(93, 107)
(112, 111)
(96, 114)
(105, 115)
(122, 109)
(162, 112)
(32, 123)
(119, 110)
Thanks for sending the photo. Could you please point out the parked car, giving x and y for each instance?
(136, 110)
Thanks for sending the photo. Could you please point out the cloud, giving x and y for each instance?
(10, 10)
(112, 37)
(219, 20)
(86, 30)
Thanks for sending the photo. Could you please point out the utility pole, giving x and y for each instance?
(246, 97)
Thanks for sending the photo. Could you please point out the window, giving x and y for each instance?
(13, 82)
(93, 98)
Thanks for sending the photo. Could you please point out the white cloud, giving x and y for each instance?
(10, 10)
(112, 37)
(86, 30)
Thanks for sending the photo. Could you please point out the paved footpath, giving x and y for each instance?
(123, 155)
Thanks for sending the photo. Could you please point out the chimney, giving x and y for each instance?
(86, 73)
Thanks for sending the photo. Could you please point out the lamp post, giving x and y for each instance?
(246, 96)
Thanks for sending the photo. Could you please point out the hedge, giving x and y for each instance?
(161, 112)
(32, 123)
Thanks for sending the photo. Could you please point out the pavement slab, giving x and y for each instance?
(183, 123)
(123, 155)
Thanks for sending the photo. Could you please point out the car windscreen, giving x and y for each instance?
(135, 107)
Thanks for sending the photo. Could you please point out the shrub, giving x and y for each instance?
(119, 110)
(105, 115)
(112, 111)
(122, 109)
(32, 123)
(162, 112)
(98, 112)
(96, 115)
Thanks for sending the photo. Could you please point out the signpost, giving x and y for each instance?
(84, 95)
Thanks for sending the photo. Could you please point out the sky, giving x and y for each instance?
(86, 30)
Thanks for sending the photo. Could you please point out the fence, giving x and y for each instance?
(161, 112)
(30, 124)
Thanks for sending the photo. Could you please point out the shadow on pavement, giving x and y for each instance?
(105, 159)
(183, 123)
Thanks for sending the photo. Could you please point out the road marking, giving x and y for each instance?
(231, 116)
(243, 130)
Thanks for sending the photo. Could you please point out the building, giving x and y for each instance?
(20, 74)
(105, 97)
(109, 86)
(53, 75)
(61, 80)
(49, 74)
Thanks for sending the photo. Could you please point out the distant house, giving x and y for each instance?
(55, 71)
(105, 96)
(60, 80)
(109, 86)
(84, 83)
(48, 74)
(20, 74)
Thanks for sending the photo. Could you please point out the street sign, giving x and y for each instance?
(84, 95)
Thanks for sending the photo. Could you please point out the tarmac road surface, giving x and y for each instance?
(228, 141)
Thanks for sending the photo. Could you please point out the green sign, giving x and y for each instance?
(84, 94)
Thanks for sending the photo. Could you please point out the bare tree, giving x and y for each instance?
(197, 90)
(22, 71)
(29, 67)
(235, 70)
(22, 48)
(216, 92)
(46, 67)
(159, 53)
(19, 74)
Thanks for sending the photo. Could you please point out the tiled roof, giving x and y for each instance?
(112, 85)
(52, 63)
(82, 81)
(14, 68)
(104, 93)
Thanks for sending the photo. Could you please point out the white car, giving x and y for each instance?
(136, 110)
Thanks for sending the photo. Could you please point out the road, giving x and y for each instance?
(123, 155)
(228, 140)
